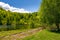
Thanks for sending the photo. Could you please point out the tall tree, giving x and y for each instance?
(50, 12)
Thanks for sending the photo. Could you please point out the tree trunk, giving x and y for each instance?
(57, 24)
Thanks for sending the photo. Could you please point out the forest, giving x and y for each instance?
(47, 16)
(13, 20)
(41, 25)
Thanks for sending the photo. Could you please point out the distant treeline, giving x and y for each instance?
(18, 20)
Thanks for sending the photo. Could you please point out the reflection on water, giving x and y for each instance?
(12, 27)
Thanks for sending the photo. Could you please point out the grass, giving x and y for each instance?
(44, 35)
(5, 33)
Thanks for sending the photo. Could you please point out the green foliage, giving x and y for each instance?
(50, 12)
(14, 20)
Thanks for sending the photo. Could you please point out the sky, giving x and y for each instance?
(21, 5)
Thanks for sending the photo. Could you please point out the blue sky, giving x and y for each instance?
(30, 5)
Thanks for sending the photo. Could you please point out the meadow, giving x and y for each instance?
(44, 35)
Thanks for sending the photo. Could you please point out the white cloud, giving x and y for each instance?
(13, 9)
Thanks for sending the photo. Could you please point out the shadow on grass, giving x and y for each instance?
(55, 31)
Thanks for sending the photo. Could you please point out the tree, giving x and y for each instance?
(14, 20)
(50, 12)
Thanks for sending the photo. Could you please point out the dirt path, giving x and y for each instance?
(22, 34)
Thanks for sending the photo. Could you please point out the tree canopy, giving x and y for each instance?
(18, 20)
(50, 12)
